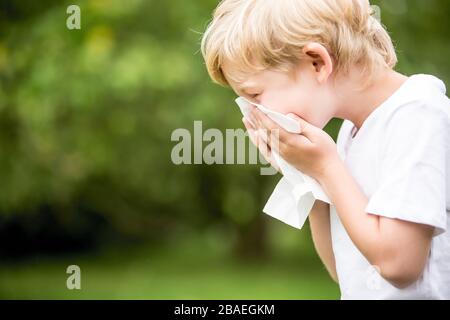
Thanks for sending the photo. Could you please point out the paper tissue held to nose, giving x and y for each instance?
(295, 194)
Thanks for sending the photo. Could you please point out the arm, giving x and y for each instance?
(319, 220)
(398, 248)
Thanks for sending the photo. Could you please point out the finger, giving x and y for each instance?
(247, 124)
(253, 137)
(265, 150)
(267, 154)
(306, 129)
(270, 138)
(251, 131)
(260, 142)
(251, 117)
(262, 134)
(271, 126)
(263, 120)
(293, 116)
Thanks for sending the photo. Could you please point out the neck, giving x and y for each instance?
(356, 104)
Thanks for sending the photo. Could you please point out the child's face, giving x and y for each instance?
(302, 95)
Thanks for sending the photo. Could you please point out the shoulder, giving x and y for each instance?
(423, 101)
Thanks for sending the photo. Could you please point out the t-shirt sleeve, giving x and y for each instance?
(413, 178)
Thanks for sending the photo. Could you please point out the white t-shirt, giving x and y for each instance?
(400, 157)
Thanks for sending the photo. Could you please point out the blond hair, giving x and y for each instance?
(255, 35)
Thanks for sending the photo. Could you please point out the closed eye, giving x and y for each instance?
(254, 97)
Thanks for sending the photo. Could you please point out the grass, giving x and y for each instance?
(176, 272)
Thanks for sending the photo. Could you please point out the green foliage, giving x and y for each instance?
(177, 272)
(86, 115)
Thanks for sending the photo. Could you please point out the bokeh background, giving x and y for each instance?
(86, 176)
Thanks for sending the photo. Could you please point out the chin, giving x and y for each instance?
(322, 124)
(316, 123)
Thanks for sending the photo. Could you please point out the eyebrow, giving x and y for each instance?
(248, 86)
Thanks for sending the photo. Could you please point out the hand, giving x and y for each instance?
(260, 144)
(312, 151)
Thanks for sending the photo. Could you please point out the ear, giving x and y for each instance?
(320, 60)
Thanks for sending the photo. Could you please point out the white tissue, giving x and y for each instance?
(295, 194)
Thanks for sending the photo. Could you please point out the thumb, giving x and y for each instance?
(306, 128)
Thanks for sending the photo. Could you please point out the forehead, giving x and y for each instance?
(240, 75)
(262, 80)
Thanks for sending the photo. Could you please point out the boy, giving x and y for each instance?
(385, 236)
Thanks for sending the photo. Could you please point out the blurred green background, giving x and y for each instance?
(86, 118)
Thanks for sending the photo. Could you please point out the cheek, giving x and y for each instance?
(314, 112)
(305, 102)
(302, 105)
(318, 112)
(285, 101)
